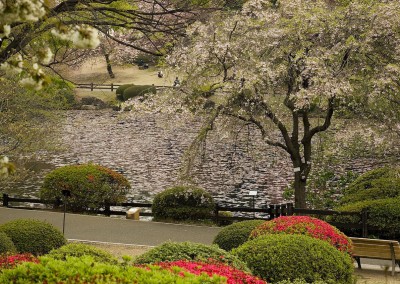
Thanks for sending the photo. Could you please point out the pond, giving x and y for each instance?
(148, 149)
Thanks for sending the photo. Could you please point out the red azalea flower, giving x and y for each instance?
(305, 225)
(10, 261)
(233, 275)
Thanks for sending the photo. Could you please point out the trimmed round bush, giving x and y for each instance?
(224, 222)
(33, 236)
(182, 203)
(135, 91)
(6, 244)
(380, 183)
(383, 214)
(90, 185)
(85, 270)
(78, 250)
(281, 257)
(305, 225)
(120, 91)
(172, 251)
(236, 234)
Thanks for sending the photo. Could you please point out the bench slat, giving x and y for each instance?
(373, 241)
(374, 255)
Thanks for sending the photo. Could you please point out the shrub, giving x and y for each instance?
(90, 185)
(78, 250)
(234, 4)
(304, 225)
(120, 91)
(11, 261)
(383, 214)
(93, 101)
(183, 202)
(172, 251)
(85, 270)
(6, 244)
(224, 222)
(236, 234)
(281, 257)
(232, 275)
(376, 184)
(33, 236)
(135, 91)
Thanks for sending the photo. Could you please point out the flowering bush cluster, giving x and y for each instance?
(10, 261)
(304, 225)
(233, 276)
(84, 270)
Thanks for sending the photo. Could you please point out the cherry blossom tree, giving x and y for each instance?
(27, 26)
(285, 66)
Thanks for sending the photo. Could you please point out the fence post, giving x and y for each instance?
(112, 87)
(5, 199)
(278, 210)
(57, 202)
(216, 212)
(364, 220)
(272, 212)
(107, 209)
(284, 209)
(290, 210)
(91, 87)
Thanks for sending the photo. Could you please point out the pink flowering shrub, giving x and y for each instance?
(10, 261)
(233, 275)
(304, 225)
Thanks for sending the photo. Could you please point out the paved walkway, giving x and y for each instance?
(115, 230)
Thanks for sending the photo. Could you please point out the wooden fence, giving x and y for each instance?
(270, 212)
(111, 87)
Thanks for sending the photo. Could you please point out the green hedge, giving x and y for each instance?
(288, 257)
(78, 250)
(90, 186)
(182, 203)
(135, 91)
(33, 236)
(85, 270)
(376, 184)
(236, 234)
(6, 244)
(172, 251)
(120, 91)
(384, 214)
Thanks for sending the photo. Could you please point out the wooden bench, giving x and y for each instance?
(376, 249)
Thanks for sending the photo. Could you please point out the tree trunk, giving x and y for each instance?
(109, 68)
(108, 62)
(300, 191)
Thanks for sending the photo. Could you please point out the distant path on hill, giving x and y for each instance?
(113, 230)
(95, 71)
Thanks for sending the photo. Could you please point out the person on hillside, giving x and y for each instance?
(177, 83)
(160, 74)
